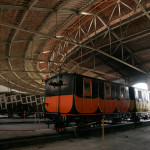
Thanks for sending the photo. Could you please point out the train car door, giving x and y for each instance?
(107, 98)
(87, 98)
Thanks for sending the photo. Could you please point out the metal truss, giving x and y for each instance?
(77, 42)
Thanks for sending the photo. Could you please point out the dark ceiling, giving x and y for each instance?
(106, 39)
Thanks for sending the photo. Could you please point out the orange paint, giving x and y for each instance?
(123, 105)
(107, 106)
(52, 104)
(114, 105)
(101, 105)
(79, 104)
(86, 105)
(65, 104)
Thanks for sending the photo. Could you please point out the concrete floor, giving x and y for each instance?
(8, 131)
(135, 139)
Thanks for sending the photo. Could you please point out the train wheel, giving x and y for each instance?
(60, 124)
(60, 127)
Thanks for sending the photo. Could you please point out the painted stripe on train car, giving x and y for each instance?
(107, 106)
(123, 105)
(65, 103)
(86, 105)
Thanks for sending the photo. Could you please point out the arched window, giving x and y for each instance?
(87, 86)
(107, 90)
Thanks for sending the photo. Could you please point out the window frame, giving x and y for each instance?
(109, 85)
(123, 92)
(87, 94)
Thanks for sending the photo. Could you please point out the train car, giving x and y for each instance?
(140, 103)
(81, 99)
(78, 98)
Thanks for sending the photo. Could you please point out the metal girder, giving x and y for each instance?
(27, 89)
(81, 45)
(30, 59)
(46, 21)
(120, 40)
(142, 51)
(44, 24)
(100, 77)
(79, 65)
(142, 8)
(96, 71)
(132, 54)
(45, 38)
(21, 7)
(57, 29)
(13, 37)
(139, 52)
(124, 40)
(87, 69)
(65, 22)
(25, 71)
(19, 41)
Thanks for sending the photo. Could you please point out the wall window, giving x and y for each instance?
(87, 87)
(122, 92)
(8, 99)
(107, 90)
(28, 99)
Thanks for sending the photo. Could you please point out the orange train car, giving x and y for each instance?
(78, 98)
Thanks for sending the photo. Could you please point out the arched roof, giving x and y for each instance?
(106, 39)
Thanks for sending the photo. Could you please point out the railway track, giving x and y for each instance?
(32, 140)
(82, 132)
(25, 122)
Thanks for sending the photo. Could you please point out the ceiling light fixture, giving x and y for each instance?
(86, 13)
(46, 52)
(42, 62)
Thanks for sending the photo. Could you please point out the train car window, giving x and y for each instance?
(107, 90)
(28, 99)
(140, 94)
(122, 92)
(23, 99)
(87, 87)
(8, 99)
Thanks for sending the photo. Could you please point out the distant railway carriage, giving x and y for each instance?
(139, 102)
(19, 103)
(77, 97)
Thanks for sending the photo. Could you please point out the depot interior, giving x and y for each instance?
(104, 39)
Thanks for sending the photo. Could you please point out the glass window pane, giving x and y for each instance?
(87, 86)
(122, 92)
(140, 94)
(107, 89)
